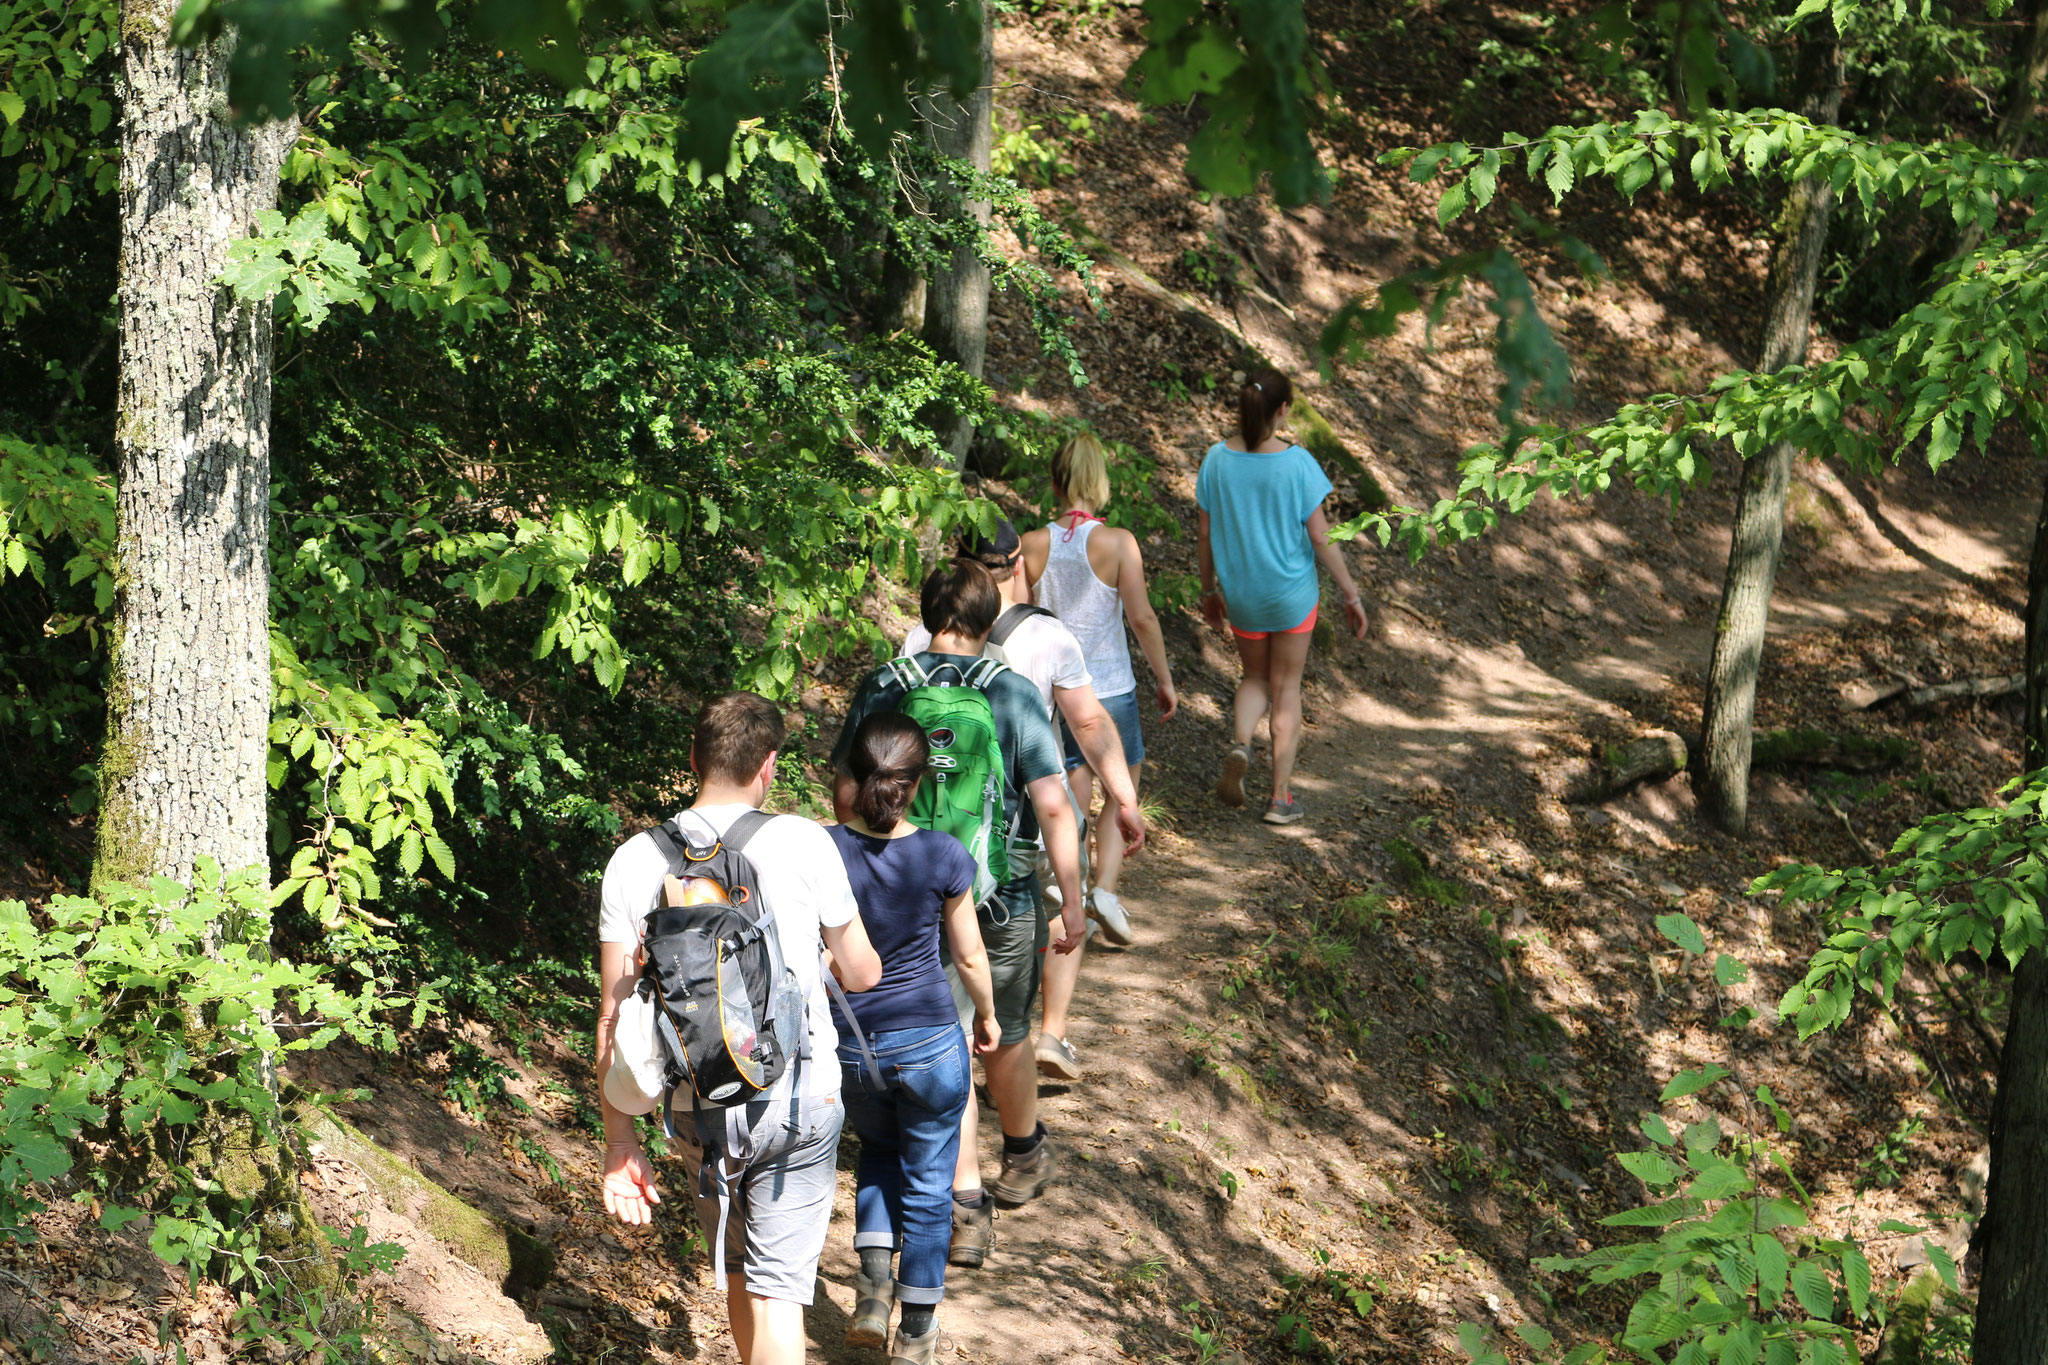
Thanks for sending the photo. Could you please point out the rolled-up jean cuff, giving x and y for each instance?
(863, 1240)
(910, 1293)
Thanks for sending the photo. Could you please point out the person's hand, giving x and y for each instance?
(629, 1192)
(1072, 927)
(988, 1034)
(1169, 701)
(1130, 821)
(1212, 610)
(1355, 617)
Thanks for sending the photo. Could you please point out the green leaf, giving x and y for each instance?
(12, 106)
(1681, 930)
(1944, 1264)
(1730, 971)
(1649, 1167)
(1452, 204)
(1856, 1279)
(114, 1217)
(1811, 1287)
(1658, 1131)
(411, 851)
(1692, 1082)
(1771, 1266)
(40, 1154)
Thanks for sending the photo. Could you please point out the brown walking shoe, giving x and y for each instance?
(974, 1232)
(1025, 1177)
(872, 1302)
(922, 1350)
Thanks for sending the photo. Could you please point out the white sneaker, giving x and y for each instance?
(1108, 911)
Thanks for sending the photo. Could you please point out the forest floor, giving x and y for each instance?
(1406, 1035)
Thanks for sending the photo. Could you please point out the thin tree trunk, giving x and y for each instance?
(1760, 501)
(188, 701)
(2012, 1297)
(956, 298)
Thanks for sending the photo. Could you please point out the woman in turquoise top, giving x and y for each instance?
(1261, 529)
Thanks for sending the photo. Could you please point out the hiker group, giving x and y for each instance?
(769, 982)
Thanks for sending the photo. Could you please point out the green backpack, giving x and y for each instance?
(963, 791)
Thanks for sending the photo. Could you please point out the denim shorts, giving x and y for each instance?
(1123, 709)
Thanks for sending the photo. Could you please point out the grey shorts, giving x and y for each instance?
(781, 1204)
(1015, 934)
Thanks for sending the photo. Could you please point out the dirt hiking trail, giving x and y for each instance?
(1206, 1154)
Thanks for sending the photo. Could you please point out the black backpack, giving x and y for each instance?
(730, 1017)
(729, 1013)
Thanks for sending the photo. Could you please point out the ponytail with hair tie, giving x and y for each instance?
(1266, 394)
(888, 758)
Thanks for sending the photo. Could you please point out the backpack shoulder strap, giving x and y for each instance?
(907, 671)
(745, 827)
(1006, 625)
(986, 672)
(669, 838)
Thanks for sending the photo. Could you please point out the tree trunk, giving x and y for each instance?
(956, 299)
(1760, 501)
(2012, 1295)
(188, 700)
(903, 291)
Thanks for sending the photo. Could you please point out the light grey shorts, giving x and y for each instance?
(781, 1204)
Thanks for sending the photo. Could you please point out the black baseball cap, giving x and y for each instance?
(1000, 547)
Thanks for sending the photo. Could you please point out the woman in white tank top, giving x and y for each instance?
(1092, 576)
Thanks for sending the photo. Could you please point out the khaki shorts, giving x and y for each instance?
(781, 1203)
(1015, 935)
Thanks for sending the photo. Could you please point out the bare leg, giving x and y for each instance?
(1012, 1072)
(1289, 656)
(766, 1331)
(1062, 977)
(1082, 780)
(1252, 699)
(1109, 840)
(967, 1166)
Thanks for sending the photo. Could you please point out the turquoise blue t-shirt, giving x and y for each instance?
(1258, 507)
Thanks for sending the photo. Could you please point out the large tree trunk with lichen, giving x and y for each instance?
(956, 296)
(2012, 1239)
(188, 700)
(1723, 786)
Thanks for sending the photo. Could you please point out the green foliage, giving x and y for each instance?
(1250, 63)
(154, 1009)
(1724, 1269)
(1966, 881)
(1021, 154)
(1411, 866)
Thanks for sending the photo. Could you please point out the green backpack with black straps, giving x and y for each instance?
(962, 793)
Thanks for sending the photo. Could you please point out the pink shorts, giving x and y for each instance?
(1304, 628)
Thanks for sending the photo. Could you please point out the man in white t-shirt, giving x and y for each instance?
(782, 1202)
(1045, 651)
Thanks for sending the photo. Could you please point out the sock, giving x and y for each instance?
(970, 1199)
(1024, 1146)
(918, 1319)
(876, 1263)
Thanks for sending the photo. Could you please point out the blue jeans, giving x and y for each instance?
(909, 1142)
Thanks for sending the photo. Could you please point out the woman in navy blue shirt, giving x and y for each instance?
(910, 884)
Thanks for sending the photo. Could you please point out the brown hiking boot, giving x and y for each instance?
(974, 1232)
(873, 1300)
(1024, 1178)
(922, 1350)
